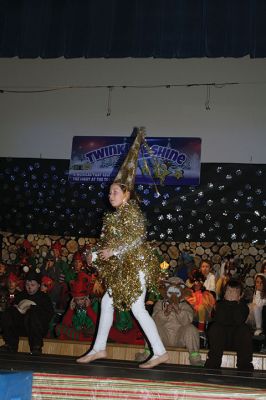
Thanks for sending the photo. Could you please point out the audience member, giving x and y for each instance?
(209, 283)
(79, 263)
(81, 317)
(47, 284)
(59, 293)
(258, 302)
(263, 267)
(174, 320)
(206, 269)
(3, 275)
(28, 316)
(8, 293)
(229, 269)
(185, 264)
(201, 300)
(13, 288)
(228, 331)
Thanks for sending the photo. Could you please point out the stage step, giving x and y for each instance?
(118, 351)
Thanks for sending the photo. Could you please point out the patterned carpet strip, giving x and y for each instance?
(65, 387)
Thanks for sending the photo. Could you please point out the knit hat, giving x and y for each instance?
(13, 277)
(127, 173)
(48, 282)
(78, 257)
(57, 246)
(33, 275)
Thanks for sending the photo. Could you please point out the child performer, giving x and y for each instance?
(127, 263)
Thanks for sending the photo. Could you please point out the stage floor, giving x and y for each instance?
(52, 364)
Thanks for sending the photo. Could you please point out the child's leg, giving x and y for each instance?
(146, 322)
(243, 346)
(202, 318)
(106, 320)
(258, 316)
(217, 338)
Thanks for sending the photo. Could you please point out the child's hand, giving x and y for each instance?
(87, 302)
(105, 254)
(72, 304)
(97, 288)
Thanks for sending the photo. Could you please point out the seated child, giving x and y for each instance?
(201, 300)
(228, 331)
(174, 316)
(12, 288)
(209, 283)
(8, 294)
(81, 317)
(3, 275)
(47, 284)
(230, 268)
(29, 316)
(258, 302)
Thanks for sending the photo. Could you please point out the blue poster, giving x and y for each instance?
(165, 161)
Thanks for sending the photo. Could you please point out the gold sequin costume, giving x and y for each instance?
(124, 231)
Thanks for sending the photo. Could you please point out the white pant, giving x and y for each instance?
(141, 315)
(255, 315)
(258, 316)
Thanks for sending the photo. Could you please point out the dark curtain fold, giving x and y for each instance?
(133, 28)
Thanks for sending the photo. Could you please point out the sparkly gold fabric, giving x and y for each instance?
(124, 231)
(127, 172)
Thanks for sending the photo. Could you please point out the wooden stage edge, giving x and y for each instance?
(116, 351)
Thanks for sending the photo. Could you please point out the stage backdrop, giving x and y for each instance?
(229, 205)
(167, 161)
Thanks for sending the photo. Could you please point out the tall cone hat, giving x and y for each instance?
(127, 173)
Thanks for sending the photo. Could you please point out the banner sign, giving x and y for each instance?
(167, 161)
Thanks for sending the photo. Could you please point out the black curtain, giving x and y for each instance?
(228, 205)
(132, 28)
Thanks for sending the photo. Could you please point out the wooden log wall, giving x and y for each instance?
(248, 254)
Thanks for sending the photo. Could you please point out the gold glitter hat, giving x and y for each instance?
(127, 173)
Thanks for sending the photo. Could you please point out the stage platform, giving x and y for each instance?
(116, 351)
(60, 377)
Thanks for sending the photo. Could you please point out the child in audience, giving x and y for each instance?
(200, 299)
(174, 320)
(47, 284)
(228, 331)
(3, 275)
(209, 283)
(29, 316)
(258, 302)
(12, 288)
